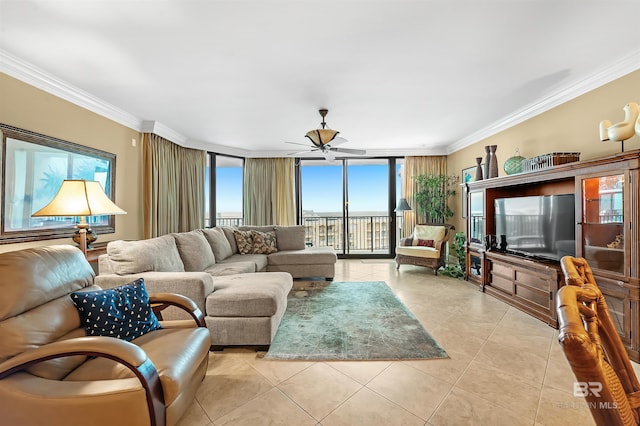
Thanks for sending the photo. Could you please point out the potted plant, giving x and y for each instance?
(432, 197)
(457, 270)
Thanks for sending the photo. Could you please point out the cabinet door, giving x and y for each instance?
(601, 230)
(476, 218)
(475, 267)
(618, 301)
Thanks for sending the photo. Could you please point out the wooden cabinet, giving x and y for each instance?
(528, 285)
(607, 234)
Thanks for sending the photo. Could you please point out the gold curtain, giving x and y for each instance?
(269, 191)
(415, 166)
(173, 186)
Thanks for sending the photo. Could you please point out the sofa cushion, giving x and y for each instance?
(231, 237)
(231, 268)
(195, 251)
(158, 254)
(418, 251)
(122, 312)
(219, 243)
(244, 240)
(290, 237)
(308, 256)
(259, 261)
(429, 232)
(264, 242)
(249, 295)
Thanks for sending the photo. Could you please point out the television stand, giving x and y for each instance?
(527, 284)
(607, 235)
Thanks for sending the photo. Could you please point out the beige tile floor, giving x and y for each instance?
(505, 368)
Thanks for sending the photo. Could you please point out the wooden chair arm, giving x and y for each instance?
(161, 301)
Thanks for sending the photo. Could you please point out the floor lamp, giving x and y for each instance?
(403, 206)
(80, 198)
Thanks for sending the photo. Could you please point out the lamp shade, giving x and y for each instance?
(321, 137)
(403, 205)
(80, 198)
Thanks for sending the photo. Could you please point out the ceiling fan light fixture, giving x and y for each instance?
(321, 137)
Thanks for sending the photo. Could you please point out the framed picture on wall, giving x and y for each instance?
(468, 175)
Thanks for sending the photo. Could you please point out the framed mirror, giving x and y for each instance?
(33, 167)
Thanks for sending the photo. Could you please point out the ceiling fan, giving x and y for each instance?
(325, 140)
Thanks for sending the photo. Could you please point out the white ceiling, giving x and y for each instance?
(242, 77)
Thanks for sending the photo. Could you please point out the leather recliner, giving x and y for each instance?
(52, 373)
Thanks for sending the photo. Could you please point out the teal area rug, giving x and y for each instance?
(351, 321)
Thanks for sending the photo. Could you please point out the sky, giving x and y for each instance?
(321, 188)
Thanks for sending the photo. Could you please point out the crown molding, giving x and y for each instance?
(620, 68)
(157, 128)
(30, 74)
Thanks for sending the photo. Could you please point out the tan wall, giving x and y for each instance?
(570, 127)
(32, 109)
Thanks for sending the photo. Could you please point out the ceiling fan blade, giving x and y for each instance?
(338, 141)
(297, 143)
(349, 151)
(328, 155)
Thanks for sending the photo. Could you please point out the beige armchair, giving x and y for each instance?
(52, 373)
(426, 246)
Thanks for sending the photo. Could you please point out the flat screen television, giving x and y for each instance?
(537, 226)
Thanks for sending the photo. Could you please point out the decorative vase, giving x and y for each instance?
(487, 160)
(493, 164)
(478, 168)
(513, 164)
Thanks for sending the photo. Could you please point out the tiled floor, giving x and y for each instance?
(505, 368)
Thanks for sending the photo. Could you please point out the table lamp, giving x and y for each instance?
(80, 198)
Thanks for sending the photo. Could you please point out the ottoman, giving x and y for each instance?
(246, 309)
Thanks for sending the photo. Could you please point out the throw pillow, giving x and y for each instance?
(423, 243)
(264, 242)
(290, 237)
(218, 242)
(158, 254)
(244, 240)
(406, 242)
(122, 312)
(195, 251)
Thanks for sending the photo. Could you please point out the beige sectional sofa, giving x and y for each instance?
(243, 296)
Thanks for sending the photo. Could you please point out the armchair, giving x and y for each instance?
(594, 349)
(426, 246)
(52, 373)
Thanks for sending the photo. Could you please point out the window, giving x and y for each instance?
(33, 168)
(226, 178)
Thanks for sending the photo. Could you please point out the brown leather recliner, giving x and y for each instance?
(52, 373)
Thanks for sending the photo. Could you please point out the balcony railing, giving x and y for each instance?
(367, 234)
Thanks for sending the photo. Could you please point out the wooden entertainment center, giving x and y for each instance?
(607, 206)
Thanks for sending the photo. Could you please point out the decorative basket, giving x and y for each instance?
(549, 160)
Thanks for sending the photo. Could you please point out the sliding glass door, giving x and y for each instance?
(348, 205)
(367, 206)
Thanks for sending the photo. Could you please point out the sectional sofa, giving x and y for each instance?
(239, 277)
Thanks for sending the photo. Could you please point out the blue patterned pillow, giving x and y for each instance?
(123, 312)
